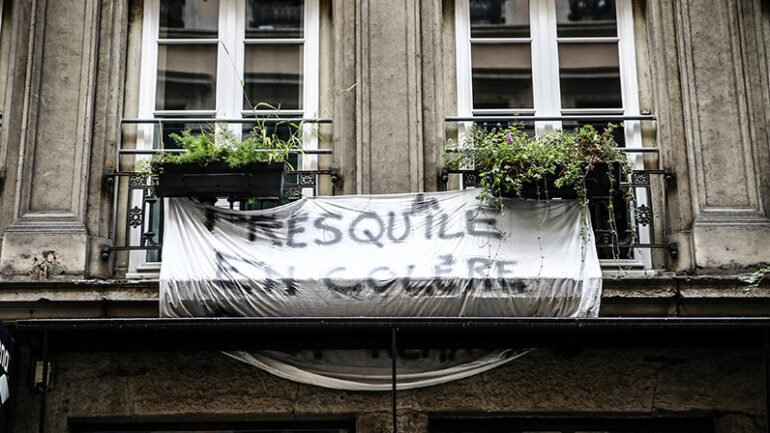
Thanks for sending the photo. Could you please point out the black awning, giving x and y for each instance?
(291, 333)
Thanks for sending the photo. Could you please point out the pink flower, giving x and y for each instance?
(508, 136)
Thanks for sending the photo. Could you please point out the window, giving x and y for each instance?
(223, 59)
(525, 425)
(88, 426)
(550, 59)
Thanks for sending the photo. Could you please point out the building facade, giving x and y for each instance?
(91, 87)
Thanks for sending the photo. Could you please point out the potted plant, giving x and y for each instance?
(217, 164)
(559, 164)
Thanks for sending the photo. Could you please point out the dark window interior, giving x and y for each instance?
(91, 426)
(629, 425)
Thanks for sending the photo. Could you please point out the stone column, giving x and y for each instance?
(710, 65)
(434, 17)
(389, 145)
(67, 128)
(389, 82)
(345, 128)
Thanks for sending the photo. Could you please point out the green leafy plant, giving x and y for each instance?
(507, 159)
(217, 143)
(757, 277)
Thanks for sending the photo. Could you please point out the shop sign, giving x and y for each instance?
(6, 349)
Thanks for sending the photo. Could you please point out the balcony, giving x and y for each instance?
(139, 212)
(635, 234)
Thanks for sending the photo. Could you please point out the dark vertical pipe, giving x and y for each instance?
(393, 376)
(766, 359)
(13, 381)
(44, 382)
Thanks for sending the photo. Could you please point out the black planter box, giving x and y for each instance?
(597, 183)
(256, 179)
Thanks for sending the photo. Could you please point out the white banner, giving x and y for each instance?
(432, 254)
(438, 254)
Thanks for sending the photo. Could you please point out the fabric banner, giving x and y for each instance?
(432, 254)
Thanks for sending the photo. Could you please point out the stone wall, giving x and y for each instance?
(388, 77)
(723, 384)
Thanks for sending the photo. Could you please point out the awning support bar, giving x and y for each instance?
(394, 378)
(44, 382)
(766, 360)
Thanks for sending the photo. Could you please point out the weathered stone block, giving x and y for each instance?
(23, 253)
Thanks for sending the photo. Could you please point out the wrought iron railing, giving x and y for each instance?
(140, 227)
(631, 218)
(140, 224)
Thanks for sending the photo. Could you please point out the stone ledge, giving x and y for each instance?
(653, 296)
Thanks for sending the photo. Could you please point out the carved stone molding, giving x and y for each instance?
(57, 122)
(345, 94)
(433, 97)
(717, 93)
(724, 101)
(50, 183)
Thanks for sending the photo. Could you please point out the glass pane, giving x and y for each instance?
(273, 74)
(187, 77)
(618, 133)
(165, 132)
(612, 226)
(528, 127)
(502, 76)
(156, 209)
(589, 75)
(284, 131)
(227, 430)
(188, 18)
(585, 18)
(499, 18)
(274, 19)
(601, 431)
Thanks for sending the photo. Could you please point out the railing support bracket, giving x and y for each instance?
(673, 250)
(104, 252)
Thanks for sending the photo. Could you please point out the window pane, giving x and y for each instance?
(274, 19)
(168, 128)
(284, 131)
(156, 227)
(612, 226)
(585, 18)
(273, 74)
(618, 133)
(502, 76)
(187, 77)
(499, 18)
(172, 429)
(188, 18)
(589, 75)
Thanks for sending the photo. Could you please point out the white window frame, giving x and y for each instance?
(231, 43)
(546, 85)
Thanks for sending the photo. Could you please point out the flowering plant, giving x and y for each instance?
(508, 159)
